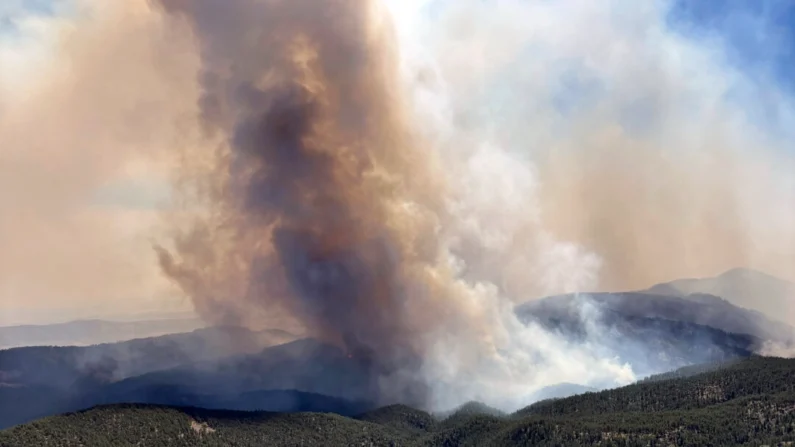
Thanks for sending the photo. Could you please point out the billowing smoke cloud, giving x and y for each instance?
(394, 179)
(324, 203)
(330, 205)
(649, 148)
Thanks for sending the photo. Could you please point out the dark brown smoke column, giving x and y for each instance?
(317, 201)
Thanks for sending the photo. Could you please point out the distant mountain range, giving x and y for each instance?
(746, 288)
(92, 332)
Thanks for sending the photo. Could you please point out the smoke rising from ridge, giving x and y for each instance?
(395, 181)
(322, 208)
(331, 207)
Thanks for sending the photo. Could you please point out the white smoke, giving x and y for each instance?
(498, 246)
(488, 85)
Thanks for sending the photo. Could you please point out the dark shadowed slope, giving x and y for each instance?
(751, 402)
(40, 381)
(305, 365)
(61, 366)
(747, 288)
(92, 332)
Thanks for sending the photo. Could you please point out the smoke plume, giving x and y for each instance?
(325, 200)
(360, 185)
(327, 203)
(394, 176)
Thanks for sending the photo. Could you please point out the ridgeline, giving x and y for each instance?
(747, 402)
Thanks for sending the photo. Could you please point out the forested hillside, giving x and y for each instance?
(750, 402)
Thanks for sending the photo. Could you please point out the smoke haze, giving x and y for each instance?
(393, 177)
(83, 133)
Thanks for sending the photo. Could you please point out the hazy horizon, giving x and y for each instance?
(67, 315)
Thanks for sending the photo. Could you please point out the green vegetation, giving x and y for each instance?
(750, 402)
(753, 377)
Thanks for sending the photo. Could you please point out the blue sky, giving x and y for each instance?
(13, 9)
(758, 40)
(759, 35)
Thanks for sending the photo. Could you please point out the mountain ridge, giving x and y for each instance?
(752, 289)
(87, 332)
(227, 367)
(750, 402)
